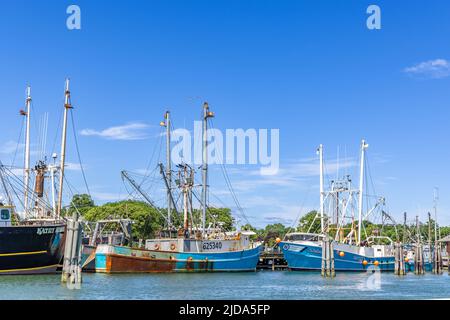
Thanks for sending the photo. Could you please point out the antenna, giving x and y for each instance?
(435, 201)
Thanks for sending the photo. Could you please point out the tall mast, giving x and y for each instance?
(404, 226)
(364, 146)
(166, 123)
(26, 181)
(185, 201)
(67, 106)
(435, 200)
(206, 115)
(322, 222)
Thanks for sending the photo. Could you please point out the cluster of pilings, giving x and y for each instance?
(71, 273)
(437, 258)
(419, 261)
(400, 268)
(328, 258)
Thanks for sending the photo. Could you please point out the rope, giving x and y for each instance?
(229, 184)
(78, 154)
(18, 142)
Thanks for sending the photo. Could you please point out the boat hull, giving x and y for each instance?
(309, 257)
(116, 259)
(31, 249)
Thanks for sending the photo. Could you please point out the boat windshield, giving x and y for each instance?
(303, 237)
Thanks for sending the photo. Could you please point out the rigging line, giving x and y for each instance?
(18, 142)
(58, 128)
(78, 154)
(228, 182)
(6, 177)
(297, 219)
(154, 152)
(208, 208)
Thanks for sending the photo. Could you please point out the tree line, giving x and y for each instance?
(148, 221)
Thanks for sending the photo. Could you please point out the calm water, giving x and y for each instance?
(261, 285)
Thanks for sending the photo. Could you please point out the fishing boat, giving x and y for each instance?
(32, 233)
(101, 233)
(187, 247)
(304, 251)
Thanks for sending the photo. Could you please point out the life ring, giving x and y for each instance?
(173, 247)
(157, 246)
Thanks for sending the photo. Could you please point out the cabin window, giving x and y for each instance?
(5, 214)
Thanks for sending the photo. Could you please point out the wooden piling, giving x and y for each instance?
(399, 260)
(324, 256)
(437, 258)
(418, 260)
(332, 270)
(328, 269)
(71, 273)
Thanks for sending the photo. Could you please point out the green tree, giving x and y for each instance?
(147, 221)
(81, 202)
(248, 227)
(272, 232)
(222, 216)
(217, 217)
(310, 222)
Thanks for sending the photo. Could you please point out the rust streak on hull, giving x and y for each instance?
(124, 264)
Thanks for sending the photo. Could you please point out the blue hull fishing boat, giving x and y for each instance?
(191, 245)
(304, 251)
(308, 256)
(117, 259)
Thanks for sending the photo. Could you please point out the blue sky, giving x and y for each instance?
(309, 68)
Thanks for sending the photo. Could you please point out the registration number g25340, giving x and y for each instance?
(212, 245)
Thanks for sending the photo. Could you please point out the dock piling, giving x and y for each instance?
(399, 260)
(328, 270)
(71, 273)
(437, 258)
(418, 260)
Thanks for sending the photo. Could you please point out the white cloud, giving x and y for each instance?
(291, 175)
(130, 131)
(438, 68)
(106, 196)
(73, 166)
(10, 147)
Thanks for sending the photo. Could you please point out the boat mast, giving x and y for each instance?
(26, 181)
(53, 169)
(322, 195)
(67, 107)
(166, 123)
(364, 146)
(206, 115)
(185, 202)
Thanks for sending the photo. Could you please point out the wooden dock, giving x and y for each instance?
(272, 261)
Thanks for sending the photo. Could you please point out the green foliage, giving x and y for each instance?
(273, 231)
(310, 222)
(81, 202)
(445, 231)
(222, 215)
(248, 227)
(147, 222)
(217, 217)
